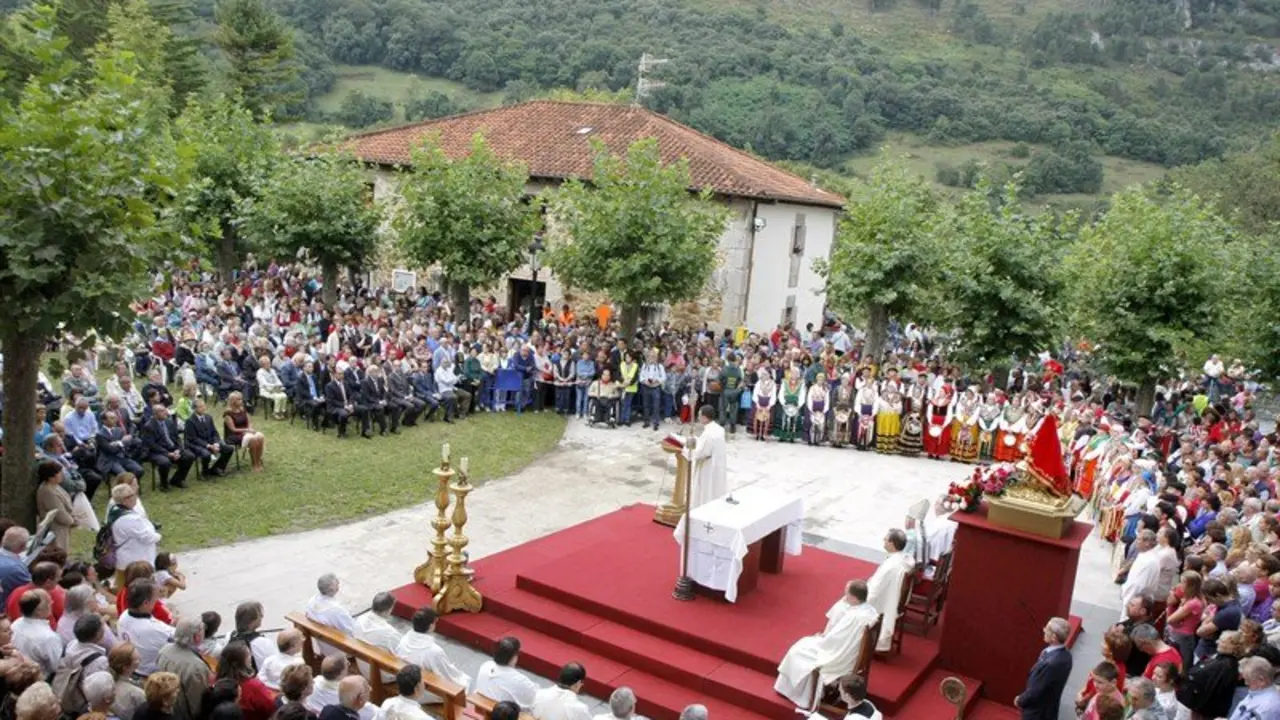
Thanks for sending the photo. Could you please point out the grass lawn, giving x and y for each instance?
(397, 87)
(313, 480)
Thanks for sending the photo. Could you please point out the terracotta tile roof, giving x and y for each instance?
(553, 139)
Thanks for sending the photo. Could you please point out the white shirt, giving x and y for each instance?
(136, 539)
(375, 630)
(633, 716)
(402, 708)
(422, 650)
(270, 669)
(1144, 578)
(500, 682)
(327, 611)
(148, 635)
(262, 649)
(325, 692)
(37, 641)
(557, 703)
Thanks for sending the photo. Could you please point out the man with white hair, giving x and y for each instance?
(13, 569)
(353, 697)
(1263, 700)
(182, 658)
(38, 702)
(622, 706)
(1141, 693)
(1048, 677)
(100, 692)
(81, 600)
(325, 609)
(135, 536)
(327, 688)
(695, 712)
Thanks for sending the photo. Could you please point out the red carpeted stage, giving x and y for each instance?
(600, 593)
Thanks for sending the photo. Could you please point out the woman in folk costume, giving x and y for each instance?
(817, 403)
(937, 435)
(865, 402)
(989, 425)
(963, 430)
(843, 412)
(1012, 429)
(1091, 457)
(889, 414)
(910, 439)
(793, 399)
(764, 396)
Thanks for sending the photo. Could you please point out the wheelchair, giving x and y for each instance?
(603, 411)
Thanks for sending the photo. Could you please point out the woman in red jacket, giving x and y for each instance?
(257, 702)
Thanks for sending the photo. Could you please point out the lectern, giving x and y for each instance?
(672, 511)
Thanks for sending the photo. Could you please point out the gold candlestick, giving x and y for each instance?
(431, 573)
(457, 593)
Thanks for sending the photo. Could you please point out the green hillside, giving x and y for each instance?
(397, 87)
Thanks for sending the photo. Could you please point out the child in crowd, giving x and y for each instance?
(167, 576)
(1105, 677)
(212, 645)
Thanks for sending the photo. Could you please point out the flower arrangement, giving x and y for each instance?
(987, 480)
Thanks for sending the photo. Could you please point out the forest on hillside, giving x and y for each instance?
(1165, 82)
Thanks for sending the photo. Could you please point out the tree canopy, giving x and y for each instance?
(635, 231)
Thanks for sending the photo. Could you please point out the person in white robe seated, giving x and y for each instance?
(499, 680)
(288, 652)
(325, 609)
(505, 710)
(405, 706)
(374, 627)
(917, 532)
(942, 535)
(561, 702)
(622, 706)
(853, 693)
(884, 589)
(832, 653)
(325, 689)
(419, 646)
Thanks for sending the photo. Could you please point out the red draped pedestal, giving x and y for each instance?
(1005, 585)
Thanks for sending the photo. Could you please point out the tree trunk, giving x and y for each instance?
(21, 369)
(226, 255)
(460, 299)
(877, 333)
(329, 283)
(629, 320)
(1146, 396)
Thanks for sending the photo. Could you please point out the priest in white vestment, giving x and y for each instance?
(499, 680)
(374, 627)
(1144, 574)
(709, 473)
(405, 705)
(832, 653)
(419, 647)
(325, 609)
(561, 702)
(942, 535)
(884, 589)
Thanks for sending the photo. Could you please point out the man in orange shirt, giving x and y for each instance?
(603, 314)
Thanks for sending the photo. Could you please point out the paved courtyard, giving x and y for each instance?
(851, 499)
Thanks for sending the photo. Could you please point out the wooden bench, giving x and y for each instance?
(378, 660)
(483, 707)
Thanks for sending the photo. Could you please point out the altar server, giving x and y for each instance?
(419, 647)
(832, 653)
(499, 680)
(562, 702)
(710, 476)
(885, 586)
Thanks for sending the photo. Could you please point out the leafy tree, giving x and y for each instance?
(1148, 279)
(320, 205)
(234, 155)
(1245, 186)
(430, 105)
(359, 110)
(636, 232)
(997, 272)
(1068, 168)
(85, 206)
(259, 47)
(882, 262)
(470, 215)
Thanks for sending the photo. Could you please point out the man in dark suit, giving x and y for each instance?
(164, 450)
(113, 443)
(406, 407)
(338, 403)
(1048, 676)
(373, 402)
(308, 395)
(424, 388)
(203, 441)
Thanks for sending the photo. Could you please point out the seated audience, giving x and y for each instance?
(499, 680)
(419, 646)
(406, 705)
(82, 600)
(13, 568)
(161, 690)
(236, 663)
(237, 430)
(203, 441)
(622, 706)
(44, 576)
(834, 651)
(288, 653)
(561, 701)
(353, 697)
(248, 620)
(324, 690)
(32, 634)
(87, 651)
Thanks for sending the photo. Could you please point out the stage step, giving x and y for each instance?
(989, 710)
(927, 700)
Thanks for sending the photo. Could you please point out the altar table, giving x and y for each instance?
(731, 544)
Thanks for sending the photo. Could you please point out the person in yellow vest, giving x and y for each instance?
(628, 376)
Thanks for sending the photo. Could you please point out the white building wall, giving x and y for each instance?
(771, 290)
(730, 280)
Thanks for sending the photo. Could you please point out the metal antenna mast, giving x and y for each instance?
(643, 84)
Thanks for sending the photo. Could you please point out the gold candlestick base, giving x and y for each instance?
(431, 573)
(456, 592)
(671, 512)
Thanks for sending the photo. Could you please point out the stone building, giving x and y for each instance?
(780, 222)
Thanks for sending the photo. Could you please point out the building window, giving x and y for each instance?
(797, 251)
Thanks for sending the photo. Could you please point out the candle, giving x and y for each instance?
(444, 452)
(464, 465)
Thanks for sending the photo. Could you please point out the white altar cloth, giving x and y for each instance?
(721, 533)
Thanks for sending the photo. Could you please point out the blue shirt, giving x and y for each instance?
(13, 574)
(81, 427)
(586, 369)
(1261, 704)
(652, 371)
